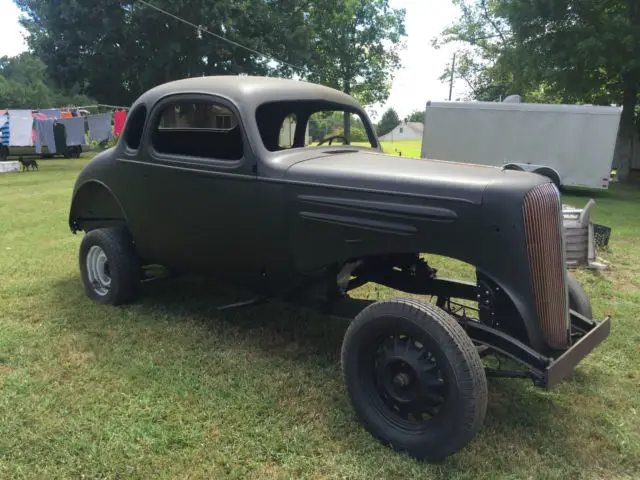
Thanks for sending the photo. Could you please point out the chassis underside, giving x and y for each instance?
(485, 313)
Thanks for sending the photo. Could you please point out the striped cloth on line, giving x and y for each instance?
(4, 129)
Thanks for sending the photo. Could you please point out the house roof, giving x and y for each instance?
(415, 126)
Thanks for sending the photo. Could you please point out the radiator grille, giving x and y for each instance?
(545, 248)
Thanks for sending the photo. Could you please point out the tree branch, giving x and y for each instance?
(486, 15)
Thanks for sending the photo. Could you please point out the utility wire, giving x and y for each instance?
(200, 28)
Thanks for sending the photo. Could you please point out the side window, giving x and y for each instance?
(201, 129)
(135, 126)
(287, 131)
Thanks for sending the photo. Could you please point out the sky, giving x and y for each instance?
(415, 83)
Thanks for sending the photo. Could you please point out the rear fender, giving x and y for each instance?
(95, 206)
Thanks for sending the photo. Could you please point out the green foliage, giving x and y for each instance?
(355, 46)
(416, 116)
(388, 122)
(24, 84)
(357, 134)
(114, 50)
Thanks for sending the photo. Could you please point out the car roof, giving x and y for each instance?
(249, 90)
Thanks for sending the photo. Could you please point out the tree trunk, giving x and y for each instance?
(625, 142)
(347, 115)
(624, 151)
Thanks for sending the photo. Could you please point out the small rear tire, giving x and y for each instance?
(109, 266)
(414, 377)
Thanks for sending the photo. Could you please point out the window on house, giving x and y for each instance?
(400, 129)
(135, 125)
(198, 129)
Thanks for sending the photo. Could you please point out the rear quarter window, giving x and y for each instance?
(200, 129)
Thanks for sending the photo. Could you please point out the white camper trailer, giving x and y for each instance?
(571, 144)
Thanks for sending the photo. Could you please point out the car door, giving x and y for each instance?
(199, 184)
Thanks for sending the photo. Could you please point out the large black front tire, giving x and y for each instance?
(428, 394)
(109, 266)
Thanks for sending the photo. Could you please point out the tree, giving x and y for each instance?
(553, 51)
(590, 51)
(115, 50)
(354, 47)
(388, 122)
(24, 84)
(416, 116)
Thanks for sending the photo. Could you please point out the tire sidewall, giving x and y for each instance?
(456, 414)
(112, 242)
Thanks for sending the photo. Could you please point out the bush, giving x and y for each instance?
(357, 134)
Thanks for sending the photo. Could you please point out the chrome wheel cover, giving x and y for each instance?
(98, 270)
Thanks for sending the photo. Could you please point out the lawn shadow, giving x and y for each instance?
(276, 328)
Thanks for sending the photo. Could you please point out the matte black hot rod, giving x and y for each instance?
(219, 175)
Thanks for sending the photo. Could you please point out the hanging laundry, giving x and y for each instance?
(51, 112)
(4, 130)
(60, 137)
(66, 114)
(99, 127)
(118, 122)
(75, 130)
(36, 116)
(20, 128)
(44, 135)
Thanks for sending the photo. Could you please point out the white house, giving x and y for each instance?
(405, 131)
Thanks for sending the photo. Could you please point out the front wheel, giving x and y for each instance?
(109, 266)
(414, 377)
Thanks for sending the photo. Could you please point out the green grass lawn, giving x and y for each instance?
(170, 388)
(406, 148)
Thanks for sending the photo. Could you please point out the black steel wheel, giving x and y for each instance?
(109, 266)
(414, 377)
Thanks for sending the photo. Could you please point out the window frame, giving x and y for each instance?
(133, 151)
(298, 106)
(153, 122)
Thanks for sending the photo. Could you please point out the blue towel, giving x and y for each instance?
(5, 130)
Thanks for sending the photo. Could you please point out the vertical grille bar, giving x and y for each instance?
(545, 248)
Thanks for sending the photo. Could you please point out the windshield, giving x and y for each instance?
(299, 124)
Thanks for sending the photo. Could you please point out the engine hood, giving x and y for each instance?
(408, 176)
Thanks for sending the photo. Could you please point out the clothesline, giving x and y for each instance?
(105, 105)
(51, 127)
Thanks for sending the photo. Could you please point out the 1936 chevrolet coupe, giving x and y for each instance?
(225, 176)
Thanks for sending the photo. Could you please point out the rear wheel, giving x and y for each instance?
(109, 266)
(414, 377)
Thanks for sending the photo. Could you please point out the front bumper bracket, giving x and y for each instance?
(562, 366)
